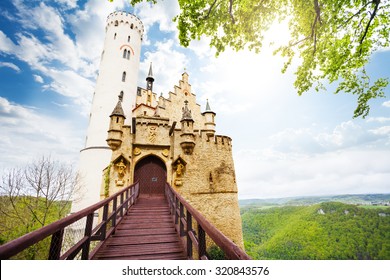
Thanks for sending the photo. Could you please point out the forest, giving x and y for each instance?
(323, 231)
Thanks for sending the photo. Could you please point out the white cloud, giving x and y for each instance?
(10, 65)
(168, 65)
(6, 44)
(68, 83)
(386, 103)
(378, 119)
(346, 171)
(161, 13)
(384, 130)
(38, 79)
(68, 3)
(27, 134)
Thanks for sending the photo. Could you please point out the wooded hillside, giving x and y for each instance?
(329, 230)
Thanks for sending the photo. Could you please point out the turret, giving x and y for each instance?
(209, 120)
(117, 120)
(187, 135)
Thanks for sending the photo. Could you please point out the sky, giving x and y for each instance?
(283, 144)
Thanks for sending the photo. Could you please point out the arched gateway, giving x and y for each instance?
(151, 173)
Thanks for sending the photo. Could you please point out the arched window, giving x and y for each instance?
(123, 76)
(132, 26)
(124, 53)
(128, 54)
(128, 39)
(116, 23)
(121, 96)
(114, 36)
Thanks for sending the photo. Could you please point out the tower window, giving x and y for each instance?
(114, 36)
(126, 54)
(132, 26)
(128, 39)
(117, 119)
(116, 23)
(121, 96)
(123, 76)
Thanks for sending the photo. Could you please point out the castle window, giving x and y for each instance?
(121, 96)
(128, 54)
(116, 23)
(123, 76)
(128, 39)
(114, 36)
(132, 26)
(117, 119)
(124, 53)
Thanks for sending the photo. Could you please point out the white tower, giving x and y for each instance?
(118, 75)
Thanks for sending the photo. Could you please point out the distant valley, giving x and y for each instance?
(323, 227)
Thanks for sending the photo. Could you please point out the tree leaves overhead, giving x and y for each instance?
(334, 39)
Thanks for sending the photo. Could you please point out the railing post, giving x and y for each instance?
(121, 205)
(104, 220)
(127, 202)
(56, 245)
(114, 203)
(132, 190)
(189, 229)
(182, 231)
(202, 243)
(87, 233)
(176, 210)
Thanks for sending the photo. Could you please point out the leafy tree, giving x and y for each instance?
(334, 39)
(34, 196)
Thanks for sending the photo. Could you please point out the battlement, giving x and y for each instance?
(121, 17)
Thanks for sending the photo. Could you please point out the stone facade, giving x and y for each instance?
(199, 164)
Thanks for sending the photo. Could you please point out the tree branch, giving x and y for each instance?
(209, 12)
(230, 11)
(358, 12)
(377, 2)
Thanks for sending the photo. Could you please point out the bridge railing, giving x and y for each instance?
(195, 229)
(112, 210)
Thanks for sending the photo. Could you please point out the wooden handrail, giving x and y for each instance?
(56, 229)
(184, 213)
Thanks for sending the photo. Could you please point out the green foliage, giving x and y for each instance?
(216, 253)
(12, 228)
(107, 181)
(334, 39)
(301, 232)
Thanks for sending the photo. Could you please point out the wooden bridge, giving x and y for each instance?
(132, 226)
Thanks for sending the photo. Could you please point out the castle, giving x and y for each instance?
(152, 139)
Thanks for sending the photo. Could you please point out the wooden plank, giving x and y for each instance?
(146, 232)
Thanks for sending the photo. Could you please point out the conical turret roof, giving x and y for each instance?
(118, 110)
(150, 74)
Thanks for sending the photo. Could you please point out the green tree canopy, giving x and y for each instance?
(334, 39)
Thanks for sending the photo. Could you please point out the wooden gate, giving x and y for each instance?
(152, 175)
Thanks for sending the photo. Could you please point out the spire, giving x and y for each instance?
(208, 109)
(150, 74)
(186, 112)
(149, 78)
(118, 110)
